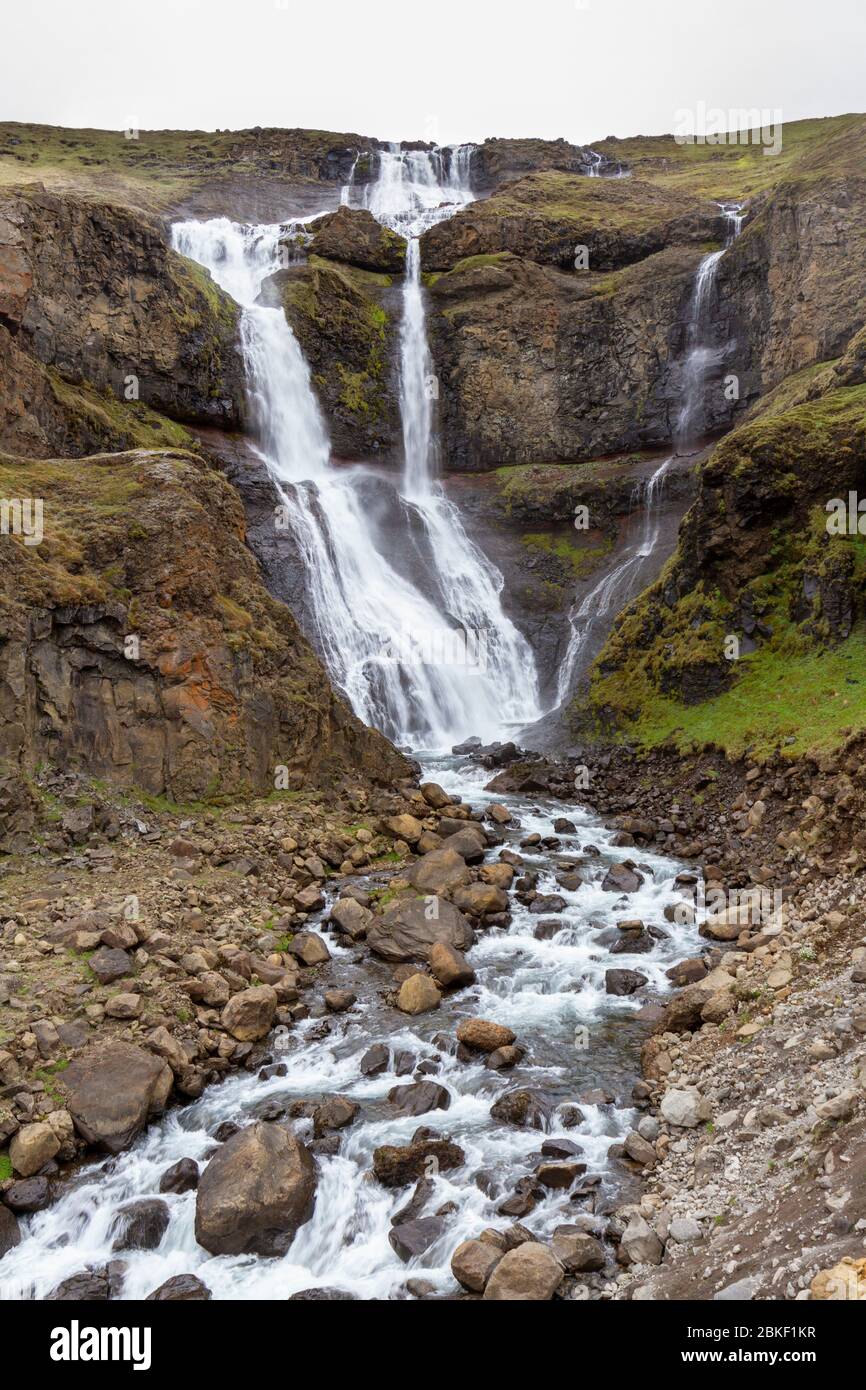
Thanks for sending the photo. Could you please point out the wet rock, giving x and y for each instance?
(182, 1288)
(255, 1193)
(524, 1108)
(182, 1176)
(409, 929)
(112, 1090)
(140, 1225)
(577, 1252)
(374, 1060)
(310, 949)
(683, 1013)
(528, 1274)
(687, 972)
(623, 982)
(249, 1015)
(424, 1189)
(450, 967)
(547, 902)
(349, 917)
(323, 1296)
(309, 899)
(560, 1148)
(400, 1165)
(225, 1131)
(480, 899)
(484, 1036)
(32, 1147)
(547, 930)
(88, 1286)
(558, 1176)
(419, 1098)
(10, 1231)
(413, 1238)
(622, 878)
(503, 1058)
(418, 995)
(441, 871)
(473, 1262)
(28, 1195)
(337, 1001)
(334, 1113)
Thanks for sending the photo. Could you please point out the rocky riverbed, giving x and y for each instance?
(407, 1051)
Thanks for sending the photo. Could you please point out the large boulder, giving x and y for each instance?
(418, 995)
(255, 1193)
(351, 917)
(249, 1015)
(481, 899)
(473, 1262)
(32, 1147)
(419, 1098)
(622, 878)
(112, 1091)
(529, 1274)
(524, 1108)
(440, 871)
(410, 927)
(182, 1288)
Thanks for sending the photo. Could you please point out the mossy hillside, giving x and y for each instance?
(811, 150)
(754, 551)
(114, 424)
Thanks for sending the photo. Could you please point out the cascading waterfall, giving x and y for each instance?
(615, 588)
(430, 667)
(700, 354)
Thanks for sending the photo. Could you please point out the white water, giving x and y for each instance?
(431, 667)
(700, 354)
(614, 589)
(544, 989)
(611, 593)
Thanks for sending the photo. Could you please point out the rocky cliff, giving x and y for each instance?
(139, 642)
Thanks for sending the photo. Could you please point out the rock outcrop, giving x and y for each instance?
(141, 644)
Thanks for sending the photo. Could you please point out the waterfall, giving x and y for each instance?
(426, 667)
(700, 354)
(615, 588)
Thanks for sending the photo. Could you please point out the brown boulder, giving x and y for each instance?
(441, 871)
(450, 967)
(399, 1165)
(354, 236)
(112, 1090)
(473, 1262)
(249, 1015)
(255, 1193)
(410, 927)
(528, 1274)
(483, 1036)
(418, 995)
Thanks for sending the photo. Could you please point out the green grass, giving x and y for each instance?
(779, 694)
(6, 1170)
(582, 559)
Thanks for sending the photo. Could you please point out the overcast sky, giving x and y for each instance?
(442, 70)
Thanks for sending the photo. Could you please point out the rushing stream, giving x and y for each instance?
(548, 990)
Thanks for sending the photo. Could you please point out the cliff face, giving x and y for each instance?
(140, 644)
(94, 292)
(539, 364)
(791, 290)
